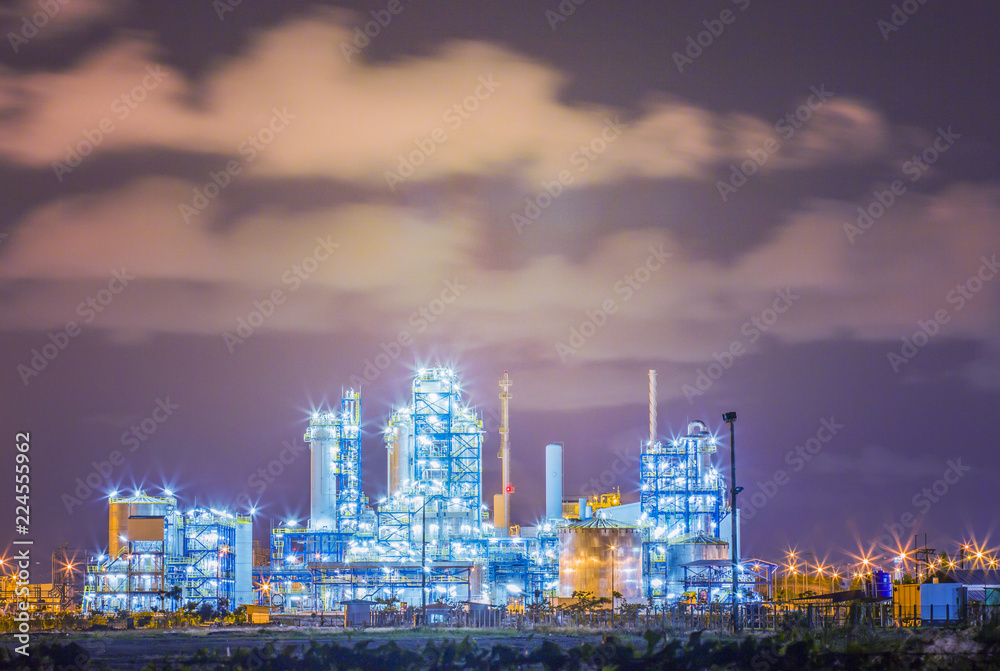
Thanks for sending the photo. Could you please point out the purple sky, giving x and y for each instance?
(575, 201)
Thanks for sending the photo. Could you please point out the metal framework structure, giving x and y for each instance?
(209, 559)
(195, 551)
(681, 492)
(431, 525)
(522, 571)
(713, 576)
(444, 487)
(681, 495)
(323, 584)
(134, 580)
(343, 431)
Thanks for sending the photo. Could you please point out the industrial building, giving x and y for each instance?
(160, 557)
(432, 539)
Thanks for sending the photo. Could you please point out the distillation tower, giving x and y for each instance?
(435, 471)
(682, 502)
(335, 466)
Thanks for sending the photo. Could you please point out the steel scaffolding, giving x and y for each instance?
(444, 489)
(210, 558)
(345, 430)
(681, 491)
(324, 584)
(681, 495)
(134, 580)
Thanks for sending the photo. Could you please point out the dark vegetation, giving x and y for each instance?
(791, 649)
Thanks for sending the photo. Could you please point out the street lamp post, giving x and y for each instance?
(423, 564)
(730, 419)
(612, 585)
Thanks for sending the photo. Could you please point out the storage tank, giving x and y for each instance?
(696, 548)
(597, 552)
(402, 458)
(324, 442)
(244, 560)
(117, 525)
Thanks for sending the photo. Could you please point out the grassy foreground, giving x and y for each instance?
(497, 649)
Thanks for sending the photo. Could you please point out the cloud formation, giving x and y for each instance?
(647, 294)
(470, 108)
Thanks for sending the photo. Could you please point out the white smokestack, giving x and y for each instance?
(553, 481)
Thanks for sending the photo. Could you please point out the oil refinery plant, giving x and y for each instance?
(432, 538)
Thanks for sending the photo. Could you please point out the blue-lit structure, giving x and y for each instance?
(682, 496)
(430, 538)
(335, 441)
(431, 531)
(155, 550)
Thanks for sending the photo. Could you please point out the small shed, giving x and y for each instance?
(357, 613)
(438, 613)
(258, 614)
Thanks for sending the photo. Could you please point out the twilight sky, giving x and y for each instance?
(218, 215)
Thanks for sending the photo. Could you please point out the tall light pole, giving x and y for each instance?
(613, 585)
(423, 563)
(730, 419)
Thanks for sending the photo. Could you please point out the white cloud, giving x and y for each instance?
(352, 120)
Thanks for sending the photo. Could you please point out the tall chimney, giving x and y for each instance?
(553, 481)
(652, 407)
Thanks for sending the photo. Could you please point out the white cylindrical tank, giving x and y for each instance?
(244, 561)
(691, 550)
(323, 492)
(553, 480)
(404, 461)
